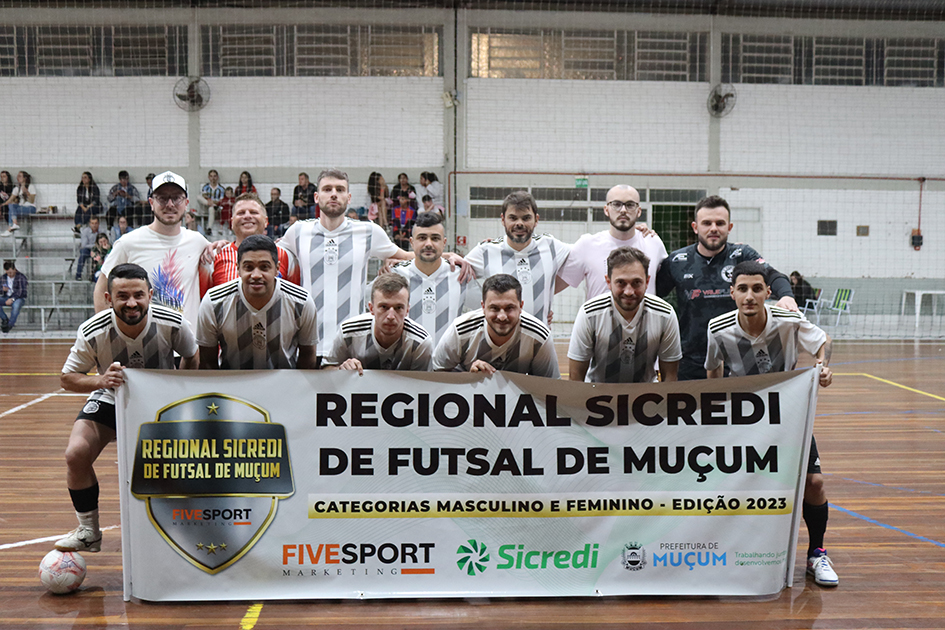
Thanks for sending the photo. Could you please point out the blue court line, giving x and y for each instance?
(887, 361)
(931, 429)
(867, 413)
(882, 485)
(895, 529)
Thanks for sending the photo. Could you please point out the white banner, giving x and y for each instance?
(294, 484)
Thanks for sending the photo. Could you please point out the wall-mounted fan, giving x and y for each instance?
(721, 100)
(191, 94)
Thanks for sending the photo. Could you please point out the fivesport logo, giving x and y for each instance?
(474, 557)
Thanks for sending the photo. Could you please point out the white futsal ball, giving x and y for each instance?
(62, 571)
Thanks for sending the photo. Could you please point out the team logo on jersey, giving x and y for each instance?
(523, 271)
(211, 470)
(763, 361)
(627, 350)
(91, 407)
(681, 256)
(331, 252)
(429, 300)
(136, 360)
(727, 272)
(259, 335)
(736, 254)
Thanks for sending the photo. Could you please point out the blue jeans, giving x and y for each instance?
(14, 310)
(19, 210)
(84, 254)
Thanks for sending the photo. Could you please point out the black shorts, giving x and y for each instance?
(813, 462)
(98, 411)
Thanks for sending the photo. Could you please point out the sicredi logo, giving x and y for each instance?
(474, 557)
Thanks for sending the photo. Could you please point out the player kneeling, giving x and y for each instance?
(131, 333)
(757, 339)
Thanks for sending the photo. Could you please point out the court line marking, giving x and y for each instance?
(30, 374)
(882, 485)
(24, 543)
(888, 382)
(27, 404)
(248, 622)
(873, 521)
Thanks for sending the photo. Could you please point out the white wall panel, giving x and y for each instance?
(529, 125)
(822, 130)
(82, 122)
(317, 122)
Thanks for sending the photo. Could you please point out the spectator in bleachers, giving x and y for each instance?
(303, 198)
(211, 194)
(430, 206)
(142, 209)
(802, 289)
(278, 212)
(433, 187)
(401, 220)
(88, 200)
(13, 292)
(120, 228)
(23, 200)
(99, 253)
(89, 236)
(405, 187)
(6, 191)
(122, 199)
(245, 185)
(226, 208)
(190, 223)
(380, 199)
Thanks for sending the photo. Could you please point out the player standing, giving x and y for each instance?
(618, 336)
(701, 274)
(131, 333)
(757, 339)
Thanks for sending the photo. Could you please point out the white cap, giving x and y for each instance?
(168, 177)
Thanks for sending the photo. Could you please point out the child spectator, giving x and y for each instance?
(226, 205)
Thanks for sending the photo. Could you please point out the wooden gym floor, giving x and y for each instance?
(881, 433)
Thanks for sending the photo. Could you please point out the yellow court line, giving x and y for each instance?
(251, 617)
(893, 383)
(30, 374)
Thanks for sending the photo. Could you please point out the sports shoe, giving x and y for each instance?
(821, 567)
(81, 538)
(13, 228)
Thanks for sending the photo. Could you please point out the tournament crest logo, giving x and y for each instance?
(727, 272)
(212, 469)
(634, 556)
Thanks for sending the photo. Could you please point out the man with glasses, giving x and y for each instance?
(588, 259)
(170, 254)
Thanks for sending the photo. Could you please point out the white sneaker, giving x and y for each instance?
(81, 538)
(821, 567)
(13, 228)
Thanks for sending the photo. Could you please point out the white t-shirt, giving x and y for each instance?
(172, 263)
(588, 260)
(250, 339)
(436, 300)
(530, 350)
(334, 268)
(774, 350)
(23, 200)
(356, 340)
(622, 351)
(100, 342)
(535, 267)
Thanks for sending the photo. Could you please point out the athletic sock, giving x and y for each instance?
(816, 518)
(85, 500)
(89, 519)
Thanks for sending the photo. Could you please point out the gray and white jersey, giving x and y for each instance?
(622, 351)
(99, 343)
(250, 339)
(535, 267)
(774, 350)
(334, 268)
(436, 300)
(355, 340)
(530, 350)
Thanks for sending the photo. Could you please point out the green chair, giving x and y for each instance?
(841, 302)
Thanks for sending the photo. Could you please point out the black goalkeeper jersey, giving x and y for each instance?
(702, 292)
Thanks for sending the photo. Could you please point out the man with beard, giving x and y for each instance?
(500, 336)
(170, 254)
(588, 259)
(620, 335)
(130, 334)
(257, 321)
(701, 274)
(333, 255)
(384, 338)
(535, 262)
(437, 297)
(248, 218)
